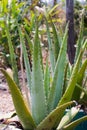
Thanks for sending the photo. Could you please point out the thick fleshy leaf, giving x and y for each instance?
(39, 107)
(47, 80)
(56, 40)
(55, 116)
(80, 78)
(51, 51)
(18, 100)
(30, 44)
(83, 100)
(57, 83)
(73, 79)
(26, 60)
(68, 117)
(12, 56)
(73, 124)
(66, 76)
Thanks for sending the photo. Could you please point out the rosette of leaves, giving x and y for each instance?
(47, 100)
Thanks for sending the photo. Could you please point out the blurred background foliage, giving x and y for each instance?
(23, 11)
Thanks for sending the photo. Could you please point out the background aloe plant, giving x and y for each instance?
(47, 103)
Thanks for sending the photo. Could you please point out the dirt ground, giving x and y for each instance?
(6, 104)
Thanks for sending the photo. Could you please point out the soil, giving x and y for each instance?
(6, 104)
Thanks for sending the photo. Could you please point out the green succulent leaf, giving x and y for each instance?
(65, 77)
(12, 55)
(55, 116)
(39, 107)
(47, 80)
(29, 42)
(56, 40)
(75, 123)
(23, 112)
(57, 83)
(77, 90)
(68, 117)
(25, 55)
(73, 79)
(81, 72)
(51, 51)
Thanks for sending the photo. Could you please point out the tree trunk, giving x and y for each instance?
(70, 40)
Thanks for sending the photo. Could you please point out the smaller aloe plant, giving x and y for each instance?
(47, 101)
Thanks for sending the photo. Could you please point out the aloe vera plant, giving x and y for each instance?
(47, 101)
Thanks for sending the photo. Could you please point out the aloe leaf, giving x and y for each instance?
(26, 60)
(81, 72)
(83, 100)
(65, 77)
(51, 52)
(56, 40)
(29, 42)
(13, 56)
(23, 113)
(57, 83)
(77, 90)
(39, 107)
(73, 79)
(75, 123)
(56, 115)
(47, 80)
(68, 117)
(41, 58)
